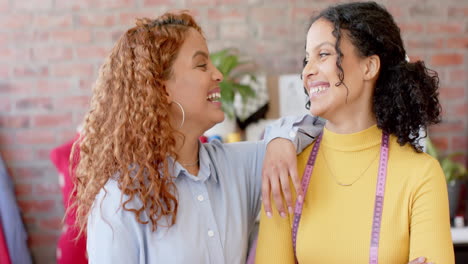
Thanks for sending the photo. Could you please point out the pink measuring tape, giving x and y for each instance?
(379, 196)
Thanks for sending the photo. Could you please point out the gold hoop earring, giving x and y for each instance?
(183, 113)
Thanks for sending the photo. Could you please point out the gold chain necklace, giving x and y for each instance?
(190, 164)
(355, 180)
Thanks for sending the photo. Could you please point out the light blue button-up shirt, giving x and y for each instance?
(216, 214)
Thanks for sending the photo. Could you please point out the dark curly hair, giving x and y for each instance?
(406, 94)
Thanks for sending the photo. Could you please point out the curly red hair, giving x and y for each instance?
(127, 130)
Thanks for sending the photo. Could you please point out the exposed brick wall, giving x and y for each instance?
(50, 51)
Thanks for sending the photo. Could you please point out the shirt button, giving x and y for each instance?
(210, 233)
(200, 198)
(292, 134)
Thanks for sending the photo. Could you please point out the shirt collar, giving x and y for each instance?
(206, 171)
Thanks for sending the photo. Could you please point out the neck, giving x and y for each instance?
(351, 121)
(187, 149)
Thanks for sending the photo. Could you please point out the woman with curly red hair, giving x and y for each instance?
(147, 190)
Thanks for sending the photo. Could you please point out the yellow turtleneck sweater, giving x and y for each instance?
(336, 221)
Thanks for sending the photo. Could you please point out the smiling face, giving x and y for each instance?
(329, 97)
(195, 85)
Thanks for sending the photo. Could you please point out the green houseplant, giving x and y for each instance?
(455, 173)
(233, 69)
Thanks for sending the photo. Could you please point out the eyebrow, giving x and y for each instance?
(200, 53)
(323, 44)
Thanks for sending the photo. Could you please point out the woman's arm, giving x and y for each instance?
(286, 137)
(430, 221)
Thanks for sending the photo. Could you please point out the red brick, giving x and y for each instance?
(7, 138)
(459, 143)
(4, 5)
(4, 39)
(36, 103)
(15, 54)
(231, 2)
(447, 126)
(27, 37)
(159, 2)
(51, 224)
(108, 4)
(423, 10)
(53, 86)
(30, 71)
(458, 12)
(87, 84)
(6, 53)
(42, 240)
(14, 121)
(445, 28)
(457, 43)
(411, 27)
(34, 136)
(234, 31)
(229, 15)
(33, 5)
(75, 4)
(52, 120)
(425, 43)
(452, 92)
(446, 59)
(42, 153)
(304, 13)
(5, 105)
(93, 20)
(4, 71)
(72, 69)
(396, 11)
(440, 142)
(29, 173)
(71, 36)
(92, 52)
(17, 87)
(16, 21)
(108, 36)
(46, 189)
(270, 31)
(52, 53)
(66, 135)
(53, 21)
(268, 14)
(23, 189)
(74, 102)
(17, 155)
(129, 18)
(458, 75)
(201, 2)
(462, 110)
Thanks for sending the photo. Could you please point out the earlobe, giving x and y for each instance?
(371, 67)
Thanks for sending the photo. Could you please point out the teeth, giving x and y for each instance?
(214, 97)
(318, 89)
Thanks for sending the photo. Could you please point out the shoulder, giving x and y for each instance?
(110, 199)
(420, 167)
(217, 149)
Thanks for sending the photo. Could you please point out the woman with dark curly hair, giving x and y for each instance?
(371, 195)
(147, 190)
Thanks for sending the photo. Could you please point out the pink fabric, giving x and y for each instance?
(253, 249)
(4, 256)
(69, 250)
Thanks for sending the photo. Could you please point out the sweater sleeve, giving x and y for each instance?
(275, 238)
(430, 222)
